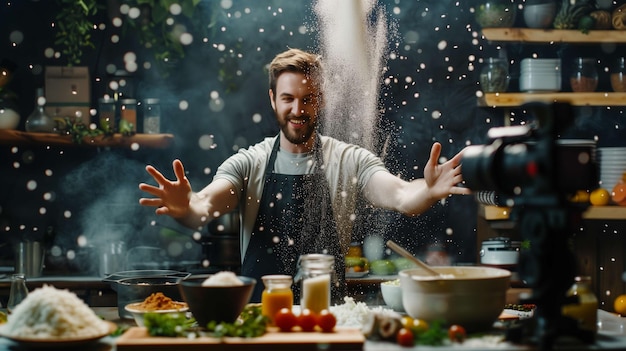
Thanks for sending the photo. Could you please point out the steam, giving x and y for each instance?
(112, 216)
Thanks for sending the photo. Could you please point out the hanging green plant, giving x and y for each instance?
(74, 28)
(157, 28)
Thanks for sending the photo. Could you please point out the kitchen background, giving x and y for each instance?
(213, 94)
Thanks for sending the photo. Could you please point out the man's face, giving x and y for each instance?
(296, 105)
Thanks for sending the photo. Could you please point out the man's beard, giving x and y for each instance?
(300, 136)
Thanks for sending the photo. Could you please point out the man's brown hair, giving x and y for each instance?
(298, 61)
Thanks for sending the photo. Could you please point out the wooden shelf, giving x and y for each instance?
(553, 36)
(593, 212)
(16, 137)
(575, 99)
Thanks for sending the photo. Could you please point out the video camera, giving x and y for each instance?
(531, 170)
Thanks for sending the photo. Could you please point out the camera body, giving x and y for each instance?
(529, 164)
(536, 173)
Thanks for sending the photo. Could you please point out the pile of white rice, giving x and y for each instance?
(224, 278)
(48, 312)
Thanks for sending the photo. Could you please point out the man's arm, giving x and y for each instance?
(412, 198)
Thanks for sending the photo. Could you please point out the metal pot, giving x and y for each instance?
(500, 251)
(135, 286)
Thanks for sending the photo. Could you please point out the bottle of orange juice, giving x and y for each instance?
(277, 294)
(585, 312)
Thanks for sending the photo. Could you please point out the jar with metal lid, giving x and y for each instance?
(584, 77)
(128, 115)
(276, 295)
(151, 116)
(316, 272)
(585, 310)
(106, 111)
(494, 76)
(618, 75)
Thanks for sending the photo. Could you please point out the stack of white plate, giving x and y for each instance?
(612, 162)
(540, 75)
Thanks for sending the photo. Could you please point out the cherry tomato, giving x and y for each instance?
(405, 337)
(457, 333)
(326, 321)
(285, 319)
(307, 320)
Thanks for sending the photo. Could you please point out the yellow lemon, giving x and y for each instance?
(620, 304)
(581, 196)
(599, 197)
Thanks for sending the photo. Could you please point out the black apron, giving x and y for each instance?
(295, 218)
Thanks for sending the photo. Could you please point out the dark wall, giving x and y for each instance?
(434, 54)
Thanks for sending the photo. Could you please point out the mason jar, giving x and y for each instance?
(496, 13)
(151, 116)
(494, 76)
(276, 295)
(128, 113)
(618, 75)
(584, 77)
(316, 272)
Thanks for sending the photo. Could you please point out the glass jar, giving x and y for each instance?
(18, 291)
(277, 294)
(315, 274)
(151, 116)
(494, 76)
(496, 13)
(585, 311)
(618, 75)
(128, 114)
(584, 77)
(355, 249)
(106, 110)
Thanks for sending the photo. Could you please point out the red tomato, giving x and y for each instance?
(457, 333)
(405, 337)
(326, 321)
(307, 320)
(285, 319)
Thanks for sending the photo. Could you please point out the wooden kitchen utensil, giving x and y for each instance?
(404, 253)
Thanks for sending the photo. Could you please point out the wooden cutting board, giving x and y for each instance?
(137, 338)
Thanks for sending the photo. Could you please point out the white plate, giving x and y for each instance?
(610, 324)
(25, 341)
(357, 274)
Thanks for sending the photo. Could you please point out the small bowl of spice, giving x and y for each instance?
(155, 303)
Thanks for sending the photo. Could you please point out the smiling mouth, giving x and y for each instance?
(297, 121)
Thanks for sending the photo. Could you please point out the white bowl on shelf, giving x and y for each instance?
(539, 15)
(539, 82)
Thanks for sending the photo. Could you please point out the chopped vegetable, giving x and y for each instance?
(250, 324)
(168, 324)
(436, 335)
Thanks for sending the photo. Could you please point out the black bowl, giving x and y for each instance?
(215, 303)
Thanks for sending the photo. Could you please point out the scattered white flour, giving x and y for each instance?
(353, 314)
(48, 312)
(224, 278)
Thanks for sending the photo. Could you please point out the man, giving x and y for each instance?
(296, 192)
